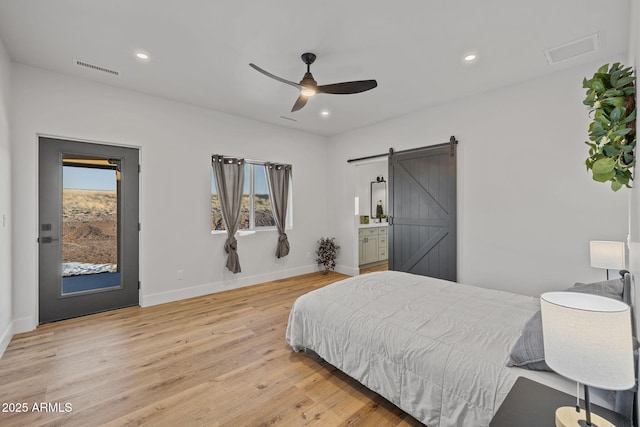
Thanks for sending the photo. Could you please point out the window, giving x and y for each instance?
(255, 211)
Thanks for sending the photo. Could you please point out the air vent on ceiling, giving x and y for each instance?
(573, 49)
(288, 118)
(95, 67)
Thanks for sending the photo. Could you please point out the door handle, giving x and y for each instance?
(47, 239)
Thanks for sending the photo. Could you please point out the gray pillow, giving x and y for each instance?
(609, 288)
(528, 351)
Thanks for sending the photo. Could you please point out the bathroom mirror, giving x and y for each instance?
(378, 197)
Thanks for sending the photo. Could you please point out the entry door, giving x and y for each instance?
(422, 199)
(88, 228)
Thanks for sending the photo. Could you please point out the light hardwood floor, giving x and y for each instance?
(216, 360)
(381, 267)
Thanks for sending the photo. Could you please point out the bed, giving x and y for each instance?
(437, 349)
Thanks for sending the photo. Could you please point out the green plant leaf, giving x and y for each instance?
(603, 166)
(628, 158)
(604, 177)
(616, 114)
(597, 85)
(611, 151)
(624, 81)
(615, 185)
(627, 148)
(604, 68)
(631, 117)
(621, 132)
(616, 101)
(614, 92)
(588, 163)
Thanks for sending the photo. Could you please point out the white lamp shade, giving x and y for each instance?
(606, 254)
(587, 338)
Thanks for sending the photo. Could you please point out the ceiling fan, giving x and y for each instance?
(309, 87)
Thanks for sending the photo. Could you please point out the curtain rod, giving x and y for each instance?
(452, 141)
(250, 161)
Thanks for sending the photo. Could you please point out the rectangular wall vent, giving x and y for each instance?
(288, 118)
(573, 49)
(95, 67)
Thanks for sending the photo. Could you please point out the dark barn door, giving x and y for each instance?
(422, 201)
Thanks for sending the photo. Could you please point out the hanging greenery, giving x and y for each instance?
(612, 134)
(327, 253)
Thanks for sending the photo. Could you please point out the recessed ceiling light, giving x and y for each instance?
(142, 55)
(324, 113)
(470, 57)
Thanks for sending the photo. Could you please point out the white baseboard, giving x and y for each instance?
(210, 288)
(5, 339)
(24, 324)
(17, 326)
(349, 271)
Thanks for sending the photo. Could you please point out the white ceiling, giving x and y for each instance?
(200, 50)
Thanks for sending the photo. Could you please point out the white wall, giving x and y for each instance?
(176, 142)
(634, 199)
(526, 206)
(6, 328)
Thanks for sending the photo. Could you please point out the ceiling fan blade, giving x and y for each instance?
(348, 87)
(300, 102)
(273, 76)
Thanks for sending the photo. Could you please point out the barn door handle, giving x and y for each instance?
(390, 219)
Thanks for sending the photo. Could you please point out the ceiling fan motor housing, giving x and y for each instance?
(308, 58)
(308, 80)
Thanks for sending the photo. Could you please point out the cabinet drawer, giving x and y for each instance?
(368, 232)
(382, 253)
(382, 231)
(382, 241)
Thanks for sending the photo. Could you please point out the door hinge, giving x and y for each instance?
(139, 169)
(139, 226)
(138, 284)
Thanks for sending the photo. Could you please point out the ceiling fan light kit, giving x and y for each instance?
(309, 87)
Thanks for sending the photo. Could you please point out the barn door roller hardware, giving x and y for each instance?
(452, 143)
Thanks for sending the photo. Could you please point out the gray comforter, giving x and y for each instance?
(434, 348)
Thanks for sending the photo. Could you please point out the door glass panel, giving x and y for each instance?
(89, 225)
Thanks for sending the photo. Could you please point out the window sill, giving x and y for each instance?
(241, 233)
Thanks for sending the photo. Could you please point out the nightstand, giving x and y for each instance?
(531, 404)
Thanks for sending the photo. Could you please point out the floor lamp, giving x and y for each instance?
(608, 255)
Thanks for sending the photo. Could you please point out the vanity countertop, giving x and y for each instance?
(374, 224)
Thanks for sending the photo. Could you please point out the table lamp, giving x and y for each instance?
(605, 254)
(587, 338)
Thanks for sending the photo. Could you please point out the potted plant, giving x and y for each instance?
(327, 253)
(612, 133)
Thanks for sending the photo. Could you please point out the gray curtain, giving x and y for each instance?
(229, 175)
(278, 178)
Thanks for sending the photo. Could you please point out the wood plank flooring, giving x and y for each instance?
(216, 360)
(381, 267)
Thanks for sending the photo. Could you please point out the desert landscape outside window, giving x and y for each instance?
(89, 224)
(255, 211)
